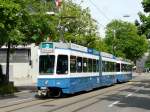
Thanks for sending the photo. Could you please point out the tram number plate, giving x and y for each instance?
(43, 88)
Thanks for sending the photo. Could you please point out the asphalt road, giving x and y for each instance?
(133, 96)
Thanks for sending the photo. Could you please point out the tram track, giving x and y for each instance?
(88, 98)
(22, 105)
(35, 102)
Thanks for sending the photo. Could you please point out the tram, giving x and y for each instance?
(67, 68)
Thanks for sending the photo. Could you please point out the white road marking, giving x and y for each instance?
(114, 103)
(20, 100)
(129, 95)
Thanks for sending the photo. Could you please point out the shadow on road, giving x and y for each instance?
(2, 97)
(139, 99)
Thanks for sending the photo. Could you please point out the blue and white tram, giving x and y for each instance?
(70, 68)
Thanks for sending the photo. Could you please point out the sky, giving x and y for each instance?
(105, 11)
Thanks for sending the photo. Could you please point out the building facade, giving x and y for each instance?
(23, 64)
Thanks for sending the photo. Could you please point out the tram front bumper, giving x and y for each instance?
(43, 91)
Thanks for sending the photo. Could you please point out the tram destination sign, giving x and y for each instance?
(47, 47)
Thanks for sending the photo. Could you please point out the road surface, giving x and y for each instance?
(133, 96)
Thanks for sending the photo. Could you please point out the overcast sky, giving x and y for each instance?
(106, 10)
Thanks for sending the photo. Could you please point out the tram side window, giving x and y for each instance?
(90, 67)
(118, 67)
(79, 64)
(129, 67)
(123, 67)
(85, 64)
(94, 65)
(97, 65)
(104, 66)
(62, 64)
(110, 67)
(72, 64)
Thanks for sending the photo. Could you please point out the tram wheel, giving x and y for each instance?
(56, 93)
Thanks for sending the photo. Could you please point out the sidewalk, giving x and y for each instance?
(137, 74)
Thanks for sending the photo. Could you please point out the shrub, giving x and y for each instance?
(7, 88)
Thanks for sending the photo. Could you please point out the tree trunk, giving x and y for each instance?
(7, 63)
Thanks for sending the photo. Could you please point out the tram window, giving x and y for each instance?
(72, 64)
(97, 65)
(117, 67)
(104, 66)
(94, 65)
(79, 64)
(90, 65)
(109, 67)
(46, 64)
(124, 67)
(129, 67)
(62, 64)
(85, 64)
(112, 66)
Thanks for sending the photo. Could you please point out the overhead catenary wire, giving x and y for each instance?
(99, 10)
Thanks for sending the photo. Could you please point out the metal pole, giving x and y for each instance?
(113, 44)
(7, 63)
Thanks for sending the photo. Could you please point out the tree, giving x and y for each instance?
(144, 27)
(27, 21)
(146, 5)
(123, 40)
(79, 27)
(22, 22)
(37, 25)
(9, 27)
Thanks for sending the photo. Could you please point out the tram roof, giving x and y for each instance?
(71, 46)
(48, 46)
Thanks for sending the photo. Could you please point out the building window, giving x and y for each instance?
(17, 55)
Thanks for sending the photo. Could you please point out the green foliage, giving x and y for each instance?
(37, 25)
(144, 28)
(9, 21)
(28, 22)
(146, 5)
(123, 40)
(147, 64)
(79, 27)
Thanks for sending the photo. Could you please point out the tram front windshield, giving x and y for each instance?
(46, 65)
